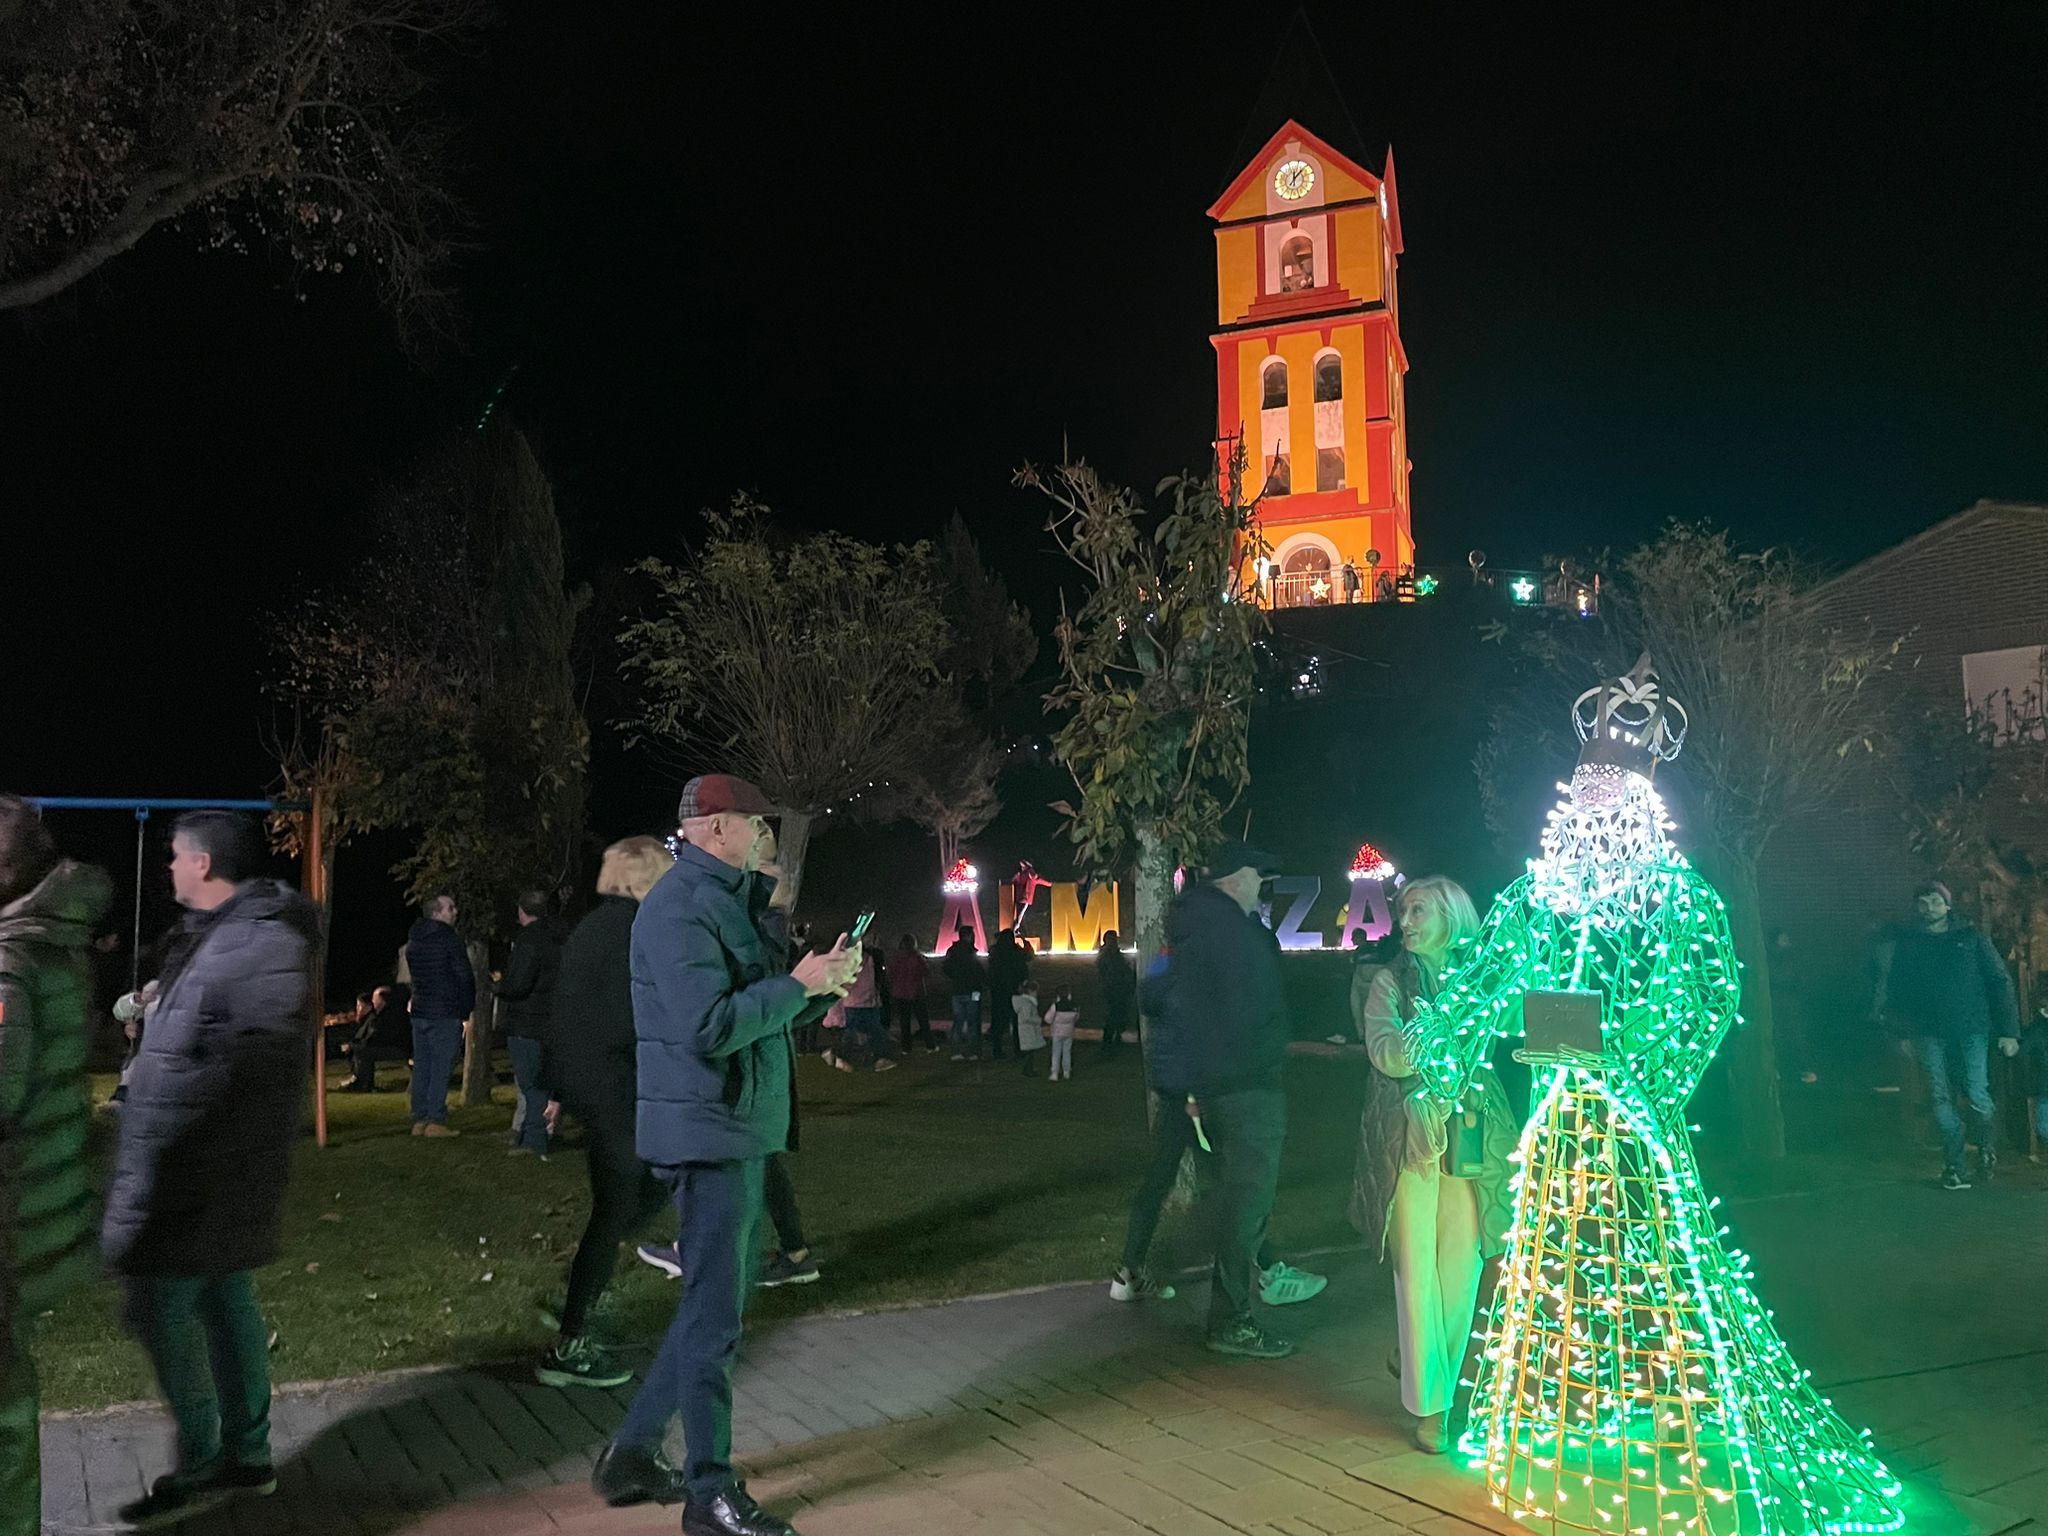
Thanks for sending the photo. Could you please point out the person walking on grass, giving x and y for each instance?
(1219, 1045)
(443, 995)
(587, 1067)
(526, 994)
(48, 907)
(864, 1037)
(712, 1012)
(967, 977)
(204, 1158)
(1060, 1021)
(908, 975)
(1945, 992)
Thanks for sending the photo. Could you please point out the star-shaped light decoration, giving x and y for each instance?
(1523, 588)
(1319, 588)
(1424, 585)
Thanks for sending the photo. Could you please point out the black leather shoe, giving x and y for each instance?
(733, 1513)
(632, 1474)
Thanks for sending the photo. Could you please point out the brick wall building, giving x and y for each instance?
(1971, 596)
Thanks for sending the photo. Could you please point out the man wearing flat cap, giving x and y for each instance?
(1218, 1049)
(712, 1013)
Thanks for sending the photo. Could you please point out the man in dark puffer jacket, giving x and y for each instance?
(712, 1011)
(443, 995)
(47, 912)
(205, 1155)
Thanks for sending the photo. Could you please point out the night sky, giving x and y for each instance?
(1785, 270)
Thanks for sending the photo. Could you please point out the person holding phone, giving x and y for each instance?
(713, 1008)
(1430, 1182)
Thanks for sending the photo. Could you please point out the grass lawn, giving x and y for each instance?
(936, 1180)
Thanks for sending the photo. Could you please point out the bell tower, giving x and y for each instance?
(1310, 367)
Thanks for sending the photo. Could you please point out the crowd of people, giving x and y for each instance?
(666, 1023)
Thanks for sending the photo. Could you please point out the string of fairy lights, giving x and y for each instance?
(1630, 1382)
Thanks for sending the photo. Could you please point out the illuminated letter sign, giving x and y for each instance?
(1304, 889)
(1075, 929)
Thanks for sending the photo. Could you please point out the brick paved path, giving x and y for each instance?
(1058, 1413)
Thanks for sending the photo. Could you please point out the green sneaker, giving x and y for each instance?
(1249, 1341)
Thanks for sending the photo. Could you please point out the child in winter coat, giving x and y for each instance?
(1030, 1037)
(1061, 1018)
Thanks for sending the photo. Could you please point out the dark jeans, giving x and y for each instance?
(913, 1010)
(865, 1038)
(967, 1023)
(783, 1215)
(533, 1130)
(21, 1473)
(624, 1197)
(206, 1338)
(718, 1208)
(1232, 1201)
(1964, 1064)
(435, 1045)
(1117, 1019)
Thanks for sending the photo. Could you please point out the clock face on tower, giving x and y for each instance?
(1294, 179)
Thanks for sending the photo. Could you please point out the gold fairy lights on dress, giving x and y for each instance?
(1630, 1382)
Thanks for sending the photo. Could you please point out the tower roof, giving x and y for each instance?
(1300, 87)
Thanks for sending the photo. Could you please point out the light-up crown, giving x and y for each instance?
(1626, 723)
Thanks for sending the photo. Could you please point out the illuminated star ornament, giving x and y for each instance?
(1425, 585)
(1523, 588)
(1319, 588)
(1631, 1383)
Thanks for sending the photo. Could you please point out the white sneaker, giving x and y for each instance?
(1429, 1434)
(1283, 1285)
(886, 1064)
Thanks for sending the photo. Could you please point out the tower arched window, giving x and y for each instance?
(1297, 265)
(1329, 377)
(1279, 476)
(1273, 385)
(1329, 469)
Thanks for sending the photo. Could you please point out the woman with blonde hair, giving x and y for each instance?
(588, 1065)
(1430, 1184)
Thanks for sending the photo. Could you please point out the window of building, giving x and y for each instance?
(1280, 477)
(1329, 469)
(1329, 377)
(2005, 690)
(1297, 265)
(1273, 385)
(1306, 577)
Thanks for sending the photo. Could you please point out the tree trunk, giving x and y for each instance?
(317, 855)
(793, 843)
(1153, 883)
(476, 1039)
(1753, 1068)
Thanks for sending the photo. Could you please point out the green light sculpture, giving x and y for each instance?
(1630, 1383)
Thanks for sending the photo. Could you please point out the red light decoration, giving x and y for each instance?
(1371, 864)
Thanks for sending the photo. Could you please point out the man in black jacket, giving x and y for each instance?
(1218, 1048)
(527, 993)
(967, 977)
(205, 1155)
(1943, 988)
(443, 995)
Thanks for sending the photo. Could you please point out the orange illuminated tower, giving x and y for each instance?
(1309, 362)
